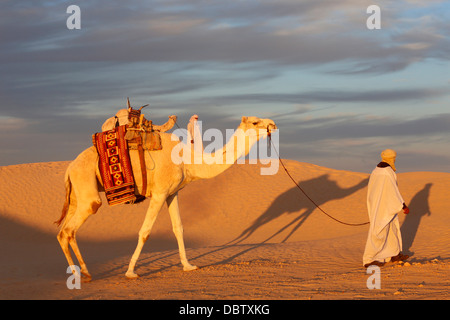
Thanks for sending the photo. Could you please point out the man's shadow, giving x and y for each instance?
(320, 189)
(418, 207)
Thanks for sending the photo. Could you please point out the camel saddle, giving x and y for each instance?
(141, 136)
(113, 147)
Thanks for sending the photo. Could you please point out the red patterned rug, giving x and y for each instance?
(115, 165)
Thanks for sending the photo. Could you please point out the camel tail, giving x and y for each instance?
(68, 186)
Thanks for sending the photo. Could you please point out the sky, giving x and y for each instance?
(339, 92)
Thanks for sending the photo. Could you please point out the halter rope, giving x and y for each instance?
(303, 191)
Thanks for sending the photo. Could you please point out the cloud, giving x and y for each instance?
(8, 124)
(353, 142)
(334, 96)
(358, 126)
(221, 60)
(281, 32)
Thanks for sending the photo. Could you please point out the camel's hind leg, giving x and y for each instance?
(67, 234)
(82, 200)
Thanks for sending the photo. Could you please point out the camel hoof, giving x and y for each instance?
(131, 275)
(190, 268)
(86, 277)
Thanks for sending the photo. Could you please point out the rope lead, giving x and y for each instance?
(303, 191)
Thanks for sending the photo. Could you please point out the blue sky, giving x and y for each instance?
(339, 92)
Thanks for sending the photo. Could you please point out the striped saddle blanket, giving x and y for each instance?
(115, 165)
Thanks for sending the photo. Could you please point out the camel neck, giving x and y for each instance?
(213, 164)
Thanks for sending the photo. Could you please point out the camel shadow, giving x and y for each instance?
(419, 207)
(293, 202)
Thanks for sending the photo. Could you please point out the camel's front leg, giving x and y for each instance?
(155, 206)
(172, 203)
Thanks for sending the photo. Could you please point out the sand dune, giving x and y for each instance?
(253, 237)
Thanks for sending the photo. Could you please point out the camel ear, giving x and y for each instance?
(244, 119)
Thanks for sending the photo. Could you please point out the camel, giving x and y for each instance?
(165, 179)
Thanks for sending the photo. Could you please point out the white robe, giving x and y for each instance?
(384, 202)
(194, 134)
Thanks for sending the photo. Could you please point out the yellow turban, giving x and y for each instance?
(389, 156)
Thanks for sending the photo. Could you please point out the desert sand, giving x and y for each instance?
(253, 237)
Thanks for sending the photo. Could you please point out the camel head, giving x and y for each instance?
(258, 124)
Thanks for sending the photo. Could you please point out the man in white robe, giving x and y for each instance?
(384, 202)
(194, 134)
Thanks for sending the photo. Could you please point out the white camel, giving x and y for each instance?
(83, 184)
